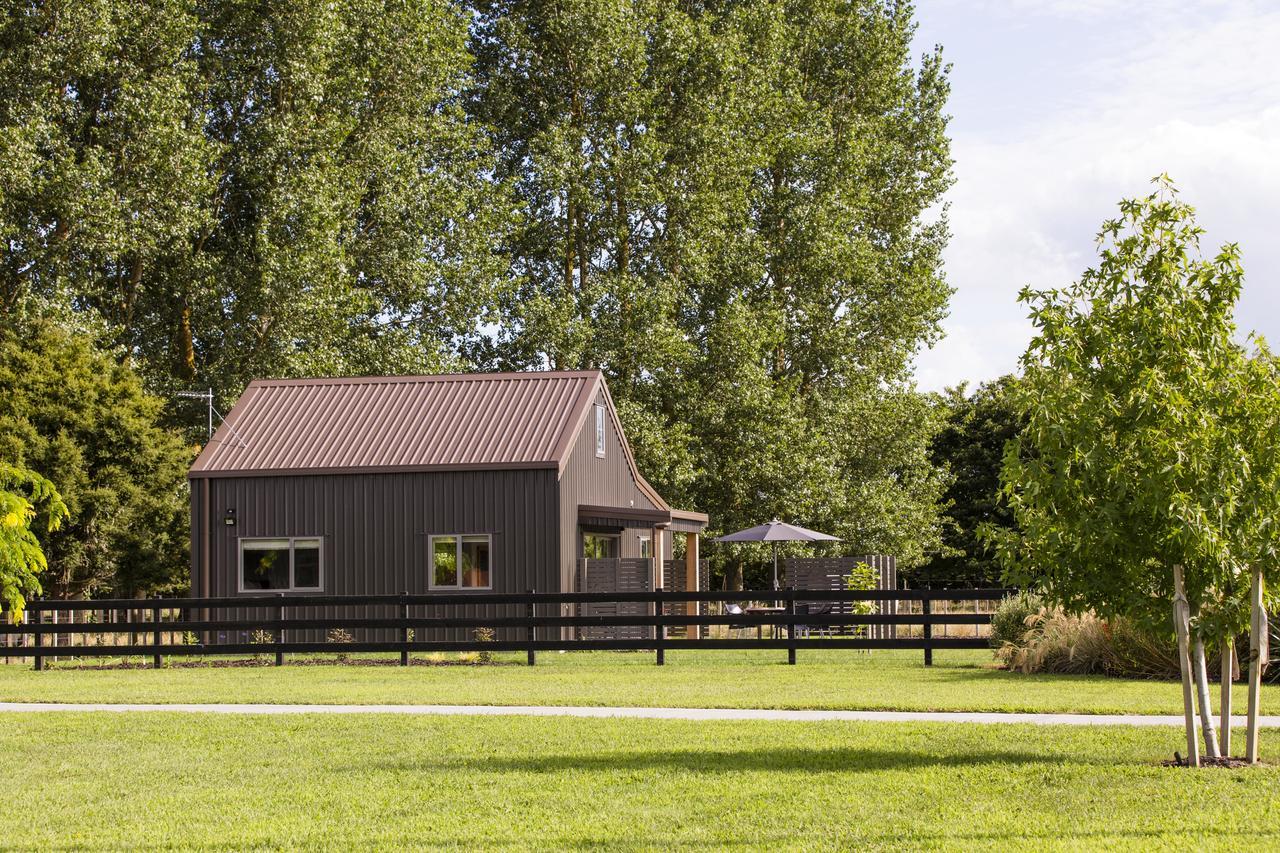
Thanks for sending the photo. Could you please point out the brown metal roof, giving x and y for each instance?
(482, 420)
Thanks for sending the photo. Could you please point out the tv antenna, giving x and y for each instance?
(207, 396)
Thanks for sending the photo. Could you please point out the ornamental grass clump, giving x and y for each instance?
(1061, 642)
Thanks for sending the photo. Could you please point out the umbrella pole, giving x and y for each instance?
(775, 565)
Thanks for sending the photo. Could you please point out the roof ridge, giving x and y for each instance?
(529, 375)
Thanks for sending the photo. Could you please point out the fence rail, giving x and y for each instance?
(185, 627)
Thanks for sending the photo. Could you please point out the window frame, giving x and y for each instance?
(431, 562)
(601, 438)
(292, 540)
(615, 538)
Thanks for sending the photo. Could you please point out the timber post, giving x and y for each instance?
(1258, 642)
(1181, 619)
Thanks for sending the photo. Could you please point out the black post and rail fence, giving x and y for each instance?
(526, 622)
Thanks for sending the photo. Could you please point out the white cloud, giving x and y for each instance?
(1195, 97)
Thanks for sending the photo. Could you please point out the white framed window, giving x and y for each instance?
(286, 564)
(599, 430)
(646, 546)
(461, 561)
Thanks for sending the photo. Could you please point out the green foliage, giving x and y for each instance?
(75, 414)
(970, 446)
(244, 189)
(26, 498)
(484, 635)
(1135, 652)
(862, 577)
(1150, 433)
(723, 208)
(1009, 622)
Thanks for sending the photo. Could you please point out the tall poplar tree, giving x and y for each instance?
(724, 208)
(248, 189)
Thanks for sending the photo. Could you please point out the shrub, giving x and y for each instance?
(1136, 653)
(261, 637)
(339, 635)
(1009, 622)
(484, 635)
(1056, 641)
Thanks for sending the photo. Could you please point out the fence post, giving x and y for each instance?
(404, 629)
(39, 638)
(279, 635)
(791, 625)
(926, 608)
(529, 612)
(659, 629)
(156, 662)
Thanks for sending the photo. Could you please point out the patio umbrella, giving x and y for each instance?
(777, 531)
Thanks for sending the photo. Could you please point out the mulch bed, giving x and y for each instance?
(1227, 763)
(250, 663)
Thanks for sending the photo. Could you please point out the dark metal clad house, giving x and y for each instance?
(503, 482)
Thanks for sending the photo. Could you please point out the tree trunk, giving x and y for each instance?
(1258, 640)
(1224, 704)
(1202, 697)
(1181, 616)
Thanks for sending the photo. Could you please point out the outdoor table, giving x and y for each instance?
(760, 609)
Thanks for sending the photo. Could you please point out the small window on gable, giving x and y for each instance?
(599, 430)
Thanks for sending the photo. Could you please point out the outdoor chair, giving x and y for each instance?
(735, 610)
(813, 610)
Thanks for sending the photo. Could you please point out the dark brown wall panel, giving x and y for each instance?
(375, 527)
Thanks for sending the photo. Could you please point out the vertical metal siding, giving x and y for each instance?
(375, 527)
(591, 480)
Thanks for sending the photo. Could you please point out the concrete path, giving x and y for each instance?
(635, 713)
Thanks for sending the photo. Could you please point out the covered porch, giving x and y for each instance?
(625, 549)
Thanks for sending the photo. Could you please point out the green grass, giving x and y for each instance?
(962, 681)
(157, 780)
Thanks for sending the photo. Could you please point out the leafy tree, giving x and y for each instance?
(971, 447)
(723, 208)
(82, 418)
(26, 498)
(247, 189)
(103, 166)
(1149, 440)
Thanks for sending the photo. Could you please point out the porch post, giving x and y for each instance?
(656, 556)
(692, 578)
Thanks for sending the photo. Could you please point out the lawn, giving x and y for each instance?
(717, 679)
(154, 780)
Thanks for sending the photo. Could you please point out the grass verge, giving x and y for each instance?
(153, 780)
(960, 681)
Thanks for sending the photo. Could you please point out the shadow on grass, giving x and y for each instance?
(840, 760)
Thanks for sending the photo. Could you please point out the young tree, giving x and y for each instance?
(26, 499)
(80, 417)
(1141, 460)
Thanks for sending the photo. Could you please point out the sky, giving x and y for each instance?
(1059, 110)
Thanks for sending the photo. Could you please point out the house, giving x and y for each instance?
(424, 484)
